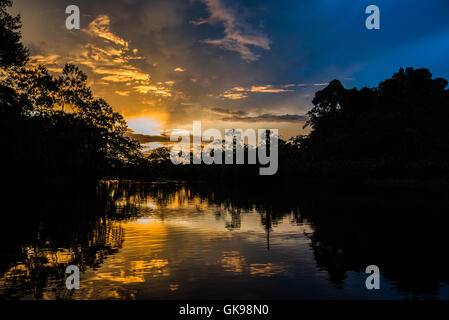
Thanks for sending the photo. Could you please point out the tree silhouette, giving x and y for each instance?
(53, 125)
(12, 52)
(397, 128)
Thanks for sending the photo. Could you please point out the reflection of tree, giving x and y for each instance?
(53, 229)
(42, 268)
(236, 219)
(402, 231)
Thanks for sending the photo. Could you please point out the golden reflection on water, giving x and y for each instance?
(173, 233)
(156, 241)
(174, 241)
(138, 260)
(233, 261)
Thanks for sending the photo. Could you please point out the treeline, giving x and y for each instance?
(396, 130)
(54, 126)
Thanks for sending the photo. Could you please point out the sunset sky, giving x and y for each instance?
(232, 64)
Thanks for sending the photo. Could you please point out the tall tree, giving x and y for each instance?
(12, 51)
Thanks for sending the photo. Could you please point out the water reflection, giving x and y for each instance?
(159, 241)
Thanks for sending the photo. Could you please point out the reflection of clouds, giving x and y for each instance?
(265, 269)
(179, 239)
(138, 262)
(183, 209)
(40, 272)
(136, 272)
(174, 287)
(232, 261)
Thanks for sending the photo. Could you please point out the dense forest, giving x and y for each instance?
(396, 130)
(54, 126)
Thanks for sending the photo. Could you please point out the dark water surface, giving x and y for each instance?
(158, 241)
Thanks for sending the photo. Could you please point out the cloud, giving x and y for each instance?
(237, 93)
(178, 69)
(100, 27)
(145, 138)
(45, 60)
(124, 73)
(268, 89)
(113, 64)
(199, 22)
(239, 35)
(112, 60)
(234, 95)
(122, 93)
(242, 116)
(227, 112)
(268, 117)
(158, 90)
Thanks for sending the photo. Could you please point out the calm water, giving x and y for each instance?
(154, 241)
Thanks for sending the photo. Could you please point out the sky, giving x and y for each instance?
(232, 64)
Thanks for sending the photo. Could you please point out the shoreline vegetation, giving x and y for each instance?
(54, 129)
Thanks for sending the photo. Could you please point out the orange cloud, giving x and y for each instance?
(122, 93)
(237, 93)
(100, 27)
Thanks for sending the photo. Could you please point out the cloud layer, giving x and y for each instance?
(249, 61)
(239, 36)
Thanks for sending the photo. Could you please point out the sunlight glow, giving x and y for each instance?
(144, 125)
